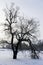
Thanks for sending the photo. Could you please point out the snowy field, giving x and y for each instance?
(23, 58)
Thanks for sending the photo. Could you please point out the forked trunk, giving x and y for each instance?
(15, 50)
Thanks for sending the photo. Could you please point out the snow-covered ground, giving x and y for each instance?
(23, 58)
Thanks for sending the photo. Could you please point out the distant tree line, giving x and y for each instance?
(23, 46)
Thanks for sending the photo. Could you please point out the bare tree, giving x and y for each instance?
(23, 29)
(27, 32)
(11, 15)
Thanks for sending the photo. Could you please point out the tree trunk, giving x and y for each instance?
(16, 50)
(14, 55)
(13, 49)
(33, 50)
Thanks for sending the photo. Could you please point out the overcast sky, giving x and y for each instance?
(31, 8)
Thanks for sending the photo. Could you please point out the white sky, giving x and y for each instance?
(31, 8)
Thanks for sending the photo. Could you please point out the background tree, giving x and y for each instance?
(26, 32)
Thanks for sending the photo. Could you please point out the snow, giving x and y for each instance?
(23, 58)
